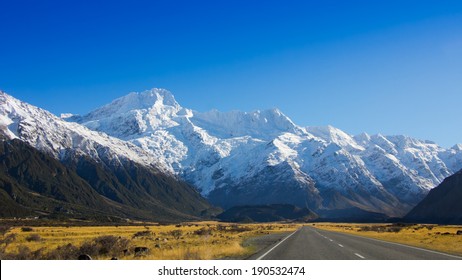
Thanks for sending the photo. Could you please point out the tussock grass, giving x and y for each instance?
(433, 237)
(197, 241)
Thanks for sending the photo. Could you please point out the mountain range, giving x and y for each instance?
(235, 158)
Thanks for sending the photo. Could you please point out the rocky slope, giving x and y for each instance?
(442, 205)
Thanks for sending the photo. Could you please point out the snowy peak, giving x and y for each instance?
(336, 136)
(140, 114)
(154, 100)
(362, 139)
(135, 114)
(266, 124)
(15, 115)
(56, 137)
(457, 147)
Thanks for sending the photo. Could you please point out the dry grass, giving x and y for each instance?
(198, 241)
(433, 237)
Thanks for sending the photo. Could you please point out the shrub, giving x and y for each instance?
(221, 227)
(176, 233)
(237, 228)
(105, 245)
(33, 238)
(10, 238)
(203, 231)
(24, 253)
(189, 255)
(146, 233)
(66, 252)
(394, 229)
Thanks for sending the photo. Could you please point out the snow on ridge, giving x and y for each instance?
(218, 149)
(457, 147)
(335, 135)
(53, 135)
(148, 99)
(265, 124)
(206, 141)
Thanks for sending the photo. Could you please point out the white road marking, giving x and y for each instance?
(331, 240)
(280, 242)
(358, 255)
(407, 246)
(340, 245)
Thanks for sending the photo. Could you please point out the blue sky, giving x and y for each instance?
(393, 67)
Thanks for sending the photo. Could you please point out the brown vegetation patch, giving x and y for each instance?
(200, 240)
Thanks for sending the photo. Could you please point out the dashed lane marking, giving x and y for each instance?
(359, 256)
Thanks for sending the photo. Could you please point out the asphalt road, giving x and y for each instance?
(309, 243)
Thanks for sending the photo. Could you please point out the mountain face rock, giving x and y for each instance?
(112, 177)
(32, 183)
(262, 157)
(243, 158)
(442, 205)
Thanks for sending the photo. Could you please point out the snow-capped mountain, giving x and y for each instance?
(117, 179)
(56, 137)
(237, 158)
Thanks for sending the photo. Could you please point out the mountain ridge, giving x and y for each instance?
(220, 152)
(234, 158)
(118, 175)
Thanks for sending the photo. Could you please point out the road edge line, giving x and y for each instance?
(279, 243)
(398, 244)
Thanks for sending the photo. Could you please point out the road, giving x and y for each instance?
(309, 243)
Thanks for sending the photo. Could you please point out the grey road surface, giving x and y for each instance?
(309, 243)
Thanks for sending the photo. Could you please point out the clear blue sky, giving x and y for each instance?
(393, 67)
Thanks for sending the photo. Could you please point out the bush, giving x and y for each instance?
(221, 227)
(176, 233)
(238, 228)
(146, 233)
(66, 252)
(33, 238)
(10, 238)
(24, 253)
(104, 246)
(203, 231)
(393, 228)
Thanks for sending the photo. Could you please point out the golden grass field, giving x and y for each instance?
(198, 241)
(434, 237)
